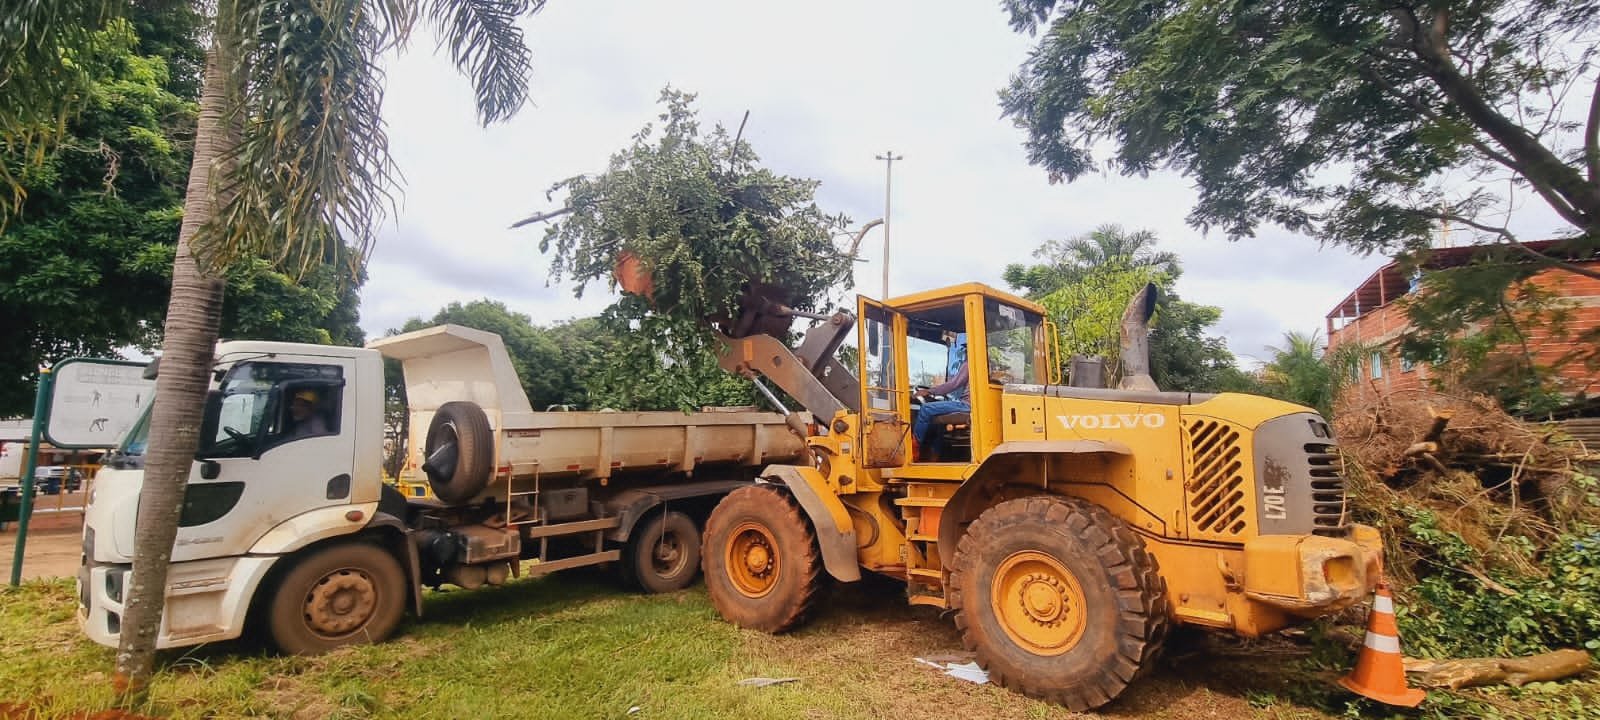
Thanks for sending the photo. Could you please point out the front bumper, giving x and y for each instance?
(1312, 575)
(206, 600)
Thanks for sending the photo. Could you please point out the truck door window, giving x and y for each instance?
(264, 404)
(1013, 335)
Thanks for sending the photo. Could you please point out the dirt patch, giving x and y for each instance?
(29, 711)
(870, 639)
(48, 554)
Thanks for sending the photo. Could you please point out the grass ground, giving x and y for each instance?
(577, 647)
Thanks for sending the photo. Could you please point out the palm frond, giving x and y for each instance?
(485, 42)
(310, 172)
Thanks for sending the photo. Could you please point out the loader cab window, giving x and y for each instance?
(879, 376)
(936, 345)
(1014, 344)
(261, 405)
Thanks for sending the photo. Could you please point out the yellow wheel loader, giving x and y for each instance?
(1066, 528)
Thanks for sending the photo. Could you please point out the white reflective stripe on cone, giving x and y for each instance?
(1383, 643)
(1383, 604)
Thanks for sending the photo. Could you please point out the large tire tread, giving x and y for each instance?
(1139, 590)
(474, 448)
(287, 629)
(799, 591)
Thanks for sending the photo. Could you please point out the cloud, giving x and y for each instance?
(828, 85)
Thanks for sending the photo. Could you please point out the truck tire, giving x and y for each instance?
(763, 568)
(662, 554)
(459, 452)
(1059, 599)
(347, 594)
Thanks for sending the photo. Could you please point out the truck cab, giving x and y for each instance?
(268, 481)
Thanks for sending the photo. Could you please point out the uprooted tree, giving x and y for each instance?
(1491, 524)
(687, 221)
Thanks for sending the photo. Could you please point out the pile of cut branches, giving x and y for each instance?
(1489, 522)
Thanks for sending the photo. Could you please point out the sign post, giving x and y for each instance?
(41, 406)
(82, 403)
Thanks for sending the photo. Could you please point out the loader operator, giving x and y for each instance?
(956, 389)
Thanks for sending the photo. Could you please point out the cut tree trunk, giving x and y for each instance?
(194, 315)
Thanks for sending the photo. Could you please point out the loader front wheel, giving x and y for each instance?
(1059, 599)
(762, 565)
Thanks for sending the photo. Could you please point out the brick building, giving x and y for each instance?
(1372, 315)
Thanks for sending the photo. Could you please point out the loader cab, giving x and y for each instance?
(927, 341)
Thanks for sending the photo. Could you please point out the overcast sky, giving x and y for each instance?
(829, 85)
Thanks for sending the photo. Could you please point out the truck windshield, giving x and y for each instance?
(133, 444)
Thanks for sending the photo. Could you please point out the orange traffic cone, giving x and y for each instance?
(1379, 673)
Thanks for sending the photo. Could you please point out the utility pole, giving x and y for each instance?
(888, 157)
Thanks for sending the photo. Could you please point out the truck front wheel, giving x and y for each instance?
(663, 554)
(763, 568)
(1059, 599)
(341, 595)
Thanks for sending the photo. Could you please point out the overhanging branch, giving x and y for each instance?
(1510, 240)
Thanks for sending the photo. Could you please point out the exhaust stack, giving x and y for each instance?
(1136, 341)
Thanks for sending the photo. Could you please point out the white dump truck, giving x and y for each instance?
(287, 525)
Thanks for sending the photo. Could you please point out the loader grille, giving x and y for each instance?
(1216, 485)
(1327, 490)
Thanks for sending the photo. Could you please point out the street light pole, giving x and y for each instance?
(888, 157)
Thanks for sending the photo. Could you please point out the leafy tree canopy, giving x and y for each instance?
(704, 219)
(86, 261)
(1086, 282)
(594, 363)
(1359, 122)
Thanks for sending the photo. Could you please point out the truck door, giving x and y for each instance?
(885, 394)
(277, 441)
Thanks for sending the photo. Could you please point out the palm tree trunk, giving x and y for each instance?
(193, 318)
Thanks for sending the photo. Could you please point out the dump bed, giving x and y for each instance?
(451, 363)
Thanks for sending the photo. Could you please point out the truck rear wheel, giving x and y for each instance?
(763, 569)
(663, 553)
(341, 595)
(459, 451)
(1059, 599)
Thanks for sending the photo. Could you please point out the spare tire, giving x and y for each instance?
(458, 456)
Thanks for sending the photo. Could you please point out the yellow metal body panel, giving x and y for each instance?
(1146, 488)
(1183, 476)
(1247, 411)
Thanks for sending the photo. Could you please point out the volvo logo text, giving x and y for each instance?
(1112, 421)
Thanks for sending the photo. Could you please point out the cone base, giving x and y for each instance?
(1404, 697)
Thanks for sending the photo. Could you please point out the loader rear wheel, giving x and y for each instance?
(459, 451)
(341, 595)
(762, 565)
(1059, 599)
(663, 553)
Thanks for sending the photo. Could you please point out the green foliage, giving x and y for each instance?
(1453, 614)
(1300, 374)
(1086, 283)
(705, 220)
(86, 261)
(82, 270)
(1343, 120)
(594, 363)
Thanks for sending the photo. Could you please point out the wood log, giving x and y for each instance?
(1516, 672)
